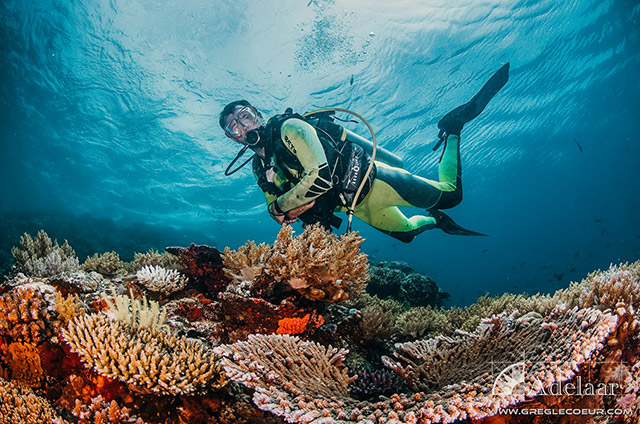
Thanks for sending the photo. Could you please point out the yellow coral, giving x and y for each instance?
(147, 357)
(68, 308)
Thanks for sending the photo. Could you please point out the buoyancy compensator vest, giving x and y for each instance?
(347, 162)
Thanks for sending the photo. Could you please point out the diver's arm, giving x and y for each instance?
(302, 140)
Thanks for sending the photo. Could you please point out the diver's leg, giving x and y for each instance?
(415, 191)
(379, 209)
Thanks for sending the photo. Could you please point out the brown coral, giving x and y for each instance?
(320, 265)
(150, 358)
(19, 405)
(24, 315)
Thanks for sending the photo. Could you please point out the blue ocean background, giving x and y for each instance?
(109, 134)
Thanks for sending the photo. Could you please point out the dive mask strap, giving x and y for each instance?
(238, 156)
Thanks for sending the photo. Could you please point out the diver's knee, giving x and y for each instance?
(449, 199)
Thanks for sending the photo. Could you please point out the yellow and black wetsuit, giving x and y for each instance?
(302, 173)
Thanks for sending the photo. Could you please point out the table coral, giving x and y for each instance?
(454, 378)
(150, 358)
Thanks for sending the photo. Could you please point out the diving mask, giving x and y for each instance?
(243, 120)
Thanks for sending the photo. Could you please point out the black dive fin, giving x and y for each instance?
(453, 121)
(446, 224)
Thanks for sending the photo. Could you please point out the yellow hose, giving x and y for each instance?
(373, 156)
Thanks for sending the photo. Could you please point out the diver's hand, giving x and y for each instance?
(295, 213)
(288, 217)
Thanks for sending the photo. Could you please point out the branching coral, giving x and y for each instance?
(108, 263)
(246, 263)
(18, 404)
(99, 411)
(155, 258)
(24, 315)
(147, 357)
(318, 264)
(134, 312)
(41, 257)
(158, 279)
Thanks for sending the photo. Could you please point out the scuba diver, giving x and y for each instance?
(309, 167)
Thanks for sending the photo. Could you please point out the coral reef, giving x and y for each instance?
(75, 347)
(18, 404)
(246, 263)
(99, 411)
(158, 279)
(107, 264)
(41, 257)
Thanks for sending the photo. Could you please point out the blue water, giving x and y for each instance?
(109, 134)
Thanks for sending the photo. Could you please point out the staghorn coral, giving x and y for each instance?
(155, 258)
(24, 315)
(42, 257)
(605, 289)
(99, 411)
(19, 405)
(107, 264)
(246, 263)
(377, 322)
(319, 264)
(134, 312)
(149, 358)
(158, 279)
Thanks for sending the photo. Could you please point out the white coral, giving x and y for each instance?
(159, 279)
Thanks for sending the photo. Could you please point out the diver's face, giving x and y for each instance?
(240, 122)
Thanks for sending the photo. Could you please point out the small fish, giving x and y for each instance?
(351, 82)
(572, 270)
(559, 276)
(598, 220)
(579, 146)
(485, 250)
(607, 245)
(576, 255)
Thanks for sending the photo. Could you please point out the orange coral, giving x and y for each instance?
(298, 325)
(292, 325)
(24, 362)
